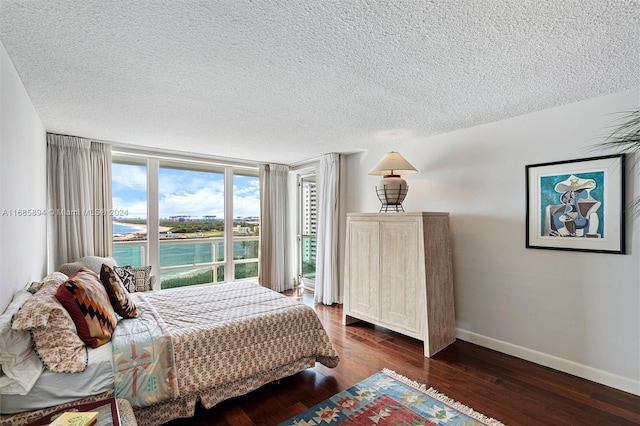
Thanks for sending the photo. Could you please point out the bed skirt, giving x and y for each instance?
(182, 407)
(186, 406)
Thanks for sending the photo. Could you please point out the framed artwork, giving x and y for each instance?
(576, 205)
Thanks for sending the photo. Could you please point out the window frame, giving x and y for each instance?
(153, 162)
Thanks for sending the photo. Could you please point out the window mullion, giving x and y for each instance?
(153, 221)
(229, 268)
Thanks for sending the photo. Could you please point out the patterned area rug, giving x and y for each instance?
(387, 398)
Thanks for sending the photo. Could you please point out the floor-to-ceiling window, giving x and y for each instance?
(129, 188)
(246, 224)
(191, 212)
(196, 222)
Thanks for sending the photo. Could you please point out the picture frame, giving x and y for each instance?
(576, 205)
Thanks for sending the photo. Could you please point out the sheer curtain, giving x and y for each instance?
(78, 199)
(327, 264)
(101, 198)
(273, 226)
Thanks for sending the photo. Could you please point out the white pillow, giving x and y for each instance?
(20, 364)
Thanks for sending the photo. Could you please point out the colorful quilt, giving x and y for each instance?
(143, 358)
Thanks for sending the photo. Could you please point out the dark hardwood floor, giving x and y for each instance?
(508, 389)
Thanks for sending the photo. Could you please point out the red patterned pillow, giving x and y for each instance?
(118, 295)
(87, 301)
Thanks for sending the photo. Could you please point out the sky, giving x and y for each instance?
(182, 193)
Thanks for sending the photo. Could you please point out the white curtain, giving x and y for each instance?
(273, 226)
(327, 264)
(101, 198)
(75, 168)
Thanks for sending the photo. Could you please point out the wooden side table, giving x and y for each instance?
(112, 411)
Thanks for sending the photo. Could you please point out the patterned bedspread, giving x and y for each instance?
(216, 334)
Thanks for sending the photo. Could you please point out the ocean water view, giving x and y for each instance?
(186, 254)
(121, 229)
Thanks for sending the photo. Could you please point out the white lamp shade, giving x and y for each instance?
(392, 164)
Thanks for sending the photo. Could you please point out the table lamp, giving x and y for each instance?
(392, 189)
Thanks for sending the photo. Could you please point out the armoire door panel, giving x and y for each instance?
(399, 291)
(364, 274)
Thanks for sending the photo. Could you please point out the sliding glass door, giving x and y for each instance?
(307, 226)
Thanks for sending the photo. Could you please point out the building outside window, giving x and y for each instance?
(308, 228)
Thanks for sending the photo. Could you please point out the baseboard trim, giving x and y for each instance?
(561, 364)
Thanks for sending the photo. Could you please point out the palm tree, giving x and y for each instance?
(625, 139)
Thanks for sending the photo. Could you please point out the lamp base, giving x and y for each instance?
(386, 208)
(392, 190)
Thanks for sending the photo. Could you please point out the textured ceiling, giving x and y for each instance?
(287, 80)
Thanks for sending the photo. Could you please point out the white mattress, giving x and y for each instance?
(59, 388)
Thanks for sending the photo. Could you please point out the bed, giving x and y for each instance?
(203, 343)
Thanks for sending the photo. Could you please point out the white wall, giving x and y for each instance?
(22, 185)
(573, 311)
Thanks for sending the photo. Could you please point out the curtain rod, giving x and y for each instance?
(305, 162)
(181, 156)
(167, 154)
(136, 150)
(315, 159)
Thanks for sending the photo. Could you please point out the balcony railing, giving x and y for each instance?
(308, 256)
(188, 261)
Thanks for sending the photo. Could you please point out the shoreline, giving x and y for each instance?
(140, 228)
